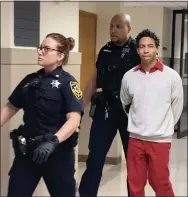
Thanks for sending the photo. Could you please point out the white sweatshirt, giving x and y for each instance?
(156, 103)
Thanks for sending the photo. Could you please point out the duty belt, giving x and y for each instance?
(25, 144)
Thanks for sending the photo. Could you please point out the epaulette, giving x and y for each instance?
(133, 41)
(32, 74)
(66, 73)
(108, 44)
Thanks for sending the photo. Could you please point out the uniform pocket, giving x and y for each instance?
(50, 102)
(54, 95)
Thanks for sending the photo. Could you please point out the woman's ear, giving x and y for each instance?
(61, 56)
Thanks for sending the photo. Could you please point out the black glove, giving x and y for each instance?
(43, 151)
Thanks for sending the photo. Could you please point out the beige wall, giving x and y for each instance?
(88, 6)
(5, 147)
(7, 24)
(156, 18)
(60, 17)
(167, 31)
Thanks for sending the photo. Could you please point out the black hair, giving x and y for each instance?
(148, 33)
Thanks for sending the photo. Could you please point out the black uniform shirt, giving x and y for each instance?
(113, 62)
(46, 98)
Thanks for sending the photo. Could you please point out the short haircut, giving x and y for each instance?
(150, 34)
(125, 17)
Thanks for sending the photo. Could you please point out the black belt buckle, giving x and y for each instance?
(31, 141)
(31, 144)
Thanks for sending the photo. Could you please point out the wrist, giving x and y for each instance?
(56, 139)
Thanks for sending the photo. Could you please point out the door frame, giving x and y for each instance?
(93, 15)
(85, 13)
(180, 134)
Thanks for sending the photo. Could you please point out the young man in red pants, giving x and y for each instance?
(155, 92)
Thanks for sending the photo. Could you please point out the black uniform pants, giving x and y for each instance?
(57, 172)
(101, 137)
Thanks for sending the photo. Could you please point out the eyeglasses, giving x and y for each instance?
(45, 50)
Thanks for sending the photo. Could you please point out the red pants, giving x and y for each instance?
(148, 160)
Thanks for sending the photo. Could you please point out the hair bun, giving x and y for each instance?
(71, 43)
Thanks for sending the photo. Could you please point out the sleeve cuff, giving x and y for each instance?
(14, 103)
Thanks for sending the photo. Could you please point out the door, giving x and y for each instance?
(87, 45)
(179, 62)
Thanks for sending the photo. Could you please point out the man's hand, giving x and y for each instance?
(43, 151)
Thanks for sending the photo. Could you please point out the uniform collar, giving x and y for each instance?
(55, 73)
(158, 66)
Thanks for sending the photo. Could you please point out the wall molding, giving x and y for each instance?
(108, 160)
(21, 56)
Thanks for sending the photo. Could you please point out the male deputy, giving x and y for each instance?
(114, 60)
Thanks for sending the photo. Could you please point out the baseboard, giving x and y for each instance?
(77, 187)
(108, 160)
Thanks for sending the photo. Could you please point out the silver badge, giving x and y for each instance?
(124, 51)
(55, 83)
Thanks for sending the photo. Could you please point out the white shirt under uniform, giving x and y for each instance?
(156, 102)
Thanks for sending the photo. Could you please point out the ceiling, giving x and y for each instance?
(174, 5)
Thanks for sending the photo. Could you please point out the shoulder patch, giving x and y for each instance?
(75, 87)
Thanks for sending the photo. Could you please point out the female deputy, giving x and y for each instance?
(52, 105)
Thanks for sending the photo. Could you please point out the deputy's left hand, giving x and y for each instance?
(43, 151)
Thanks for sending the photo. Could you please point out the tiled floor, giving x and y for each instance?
(114, 177)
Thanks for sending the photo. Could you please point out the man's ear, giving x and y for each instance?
(137, 51)
(129, 28)
(157, 53)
